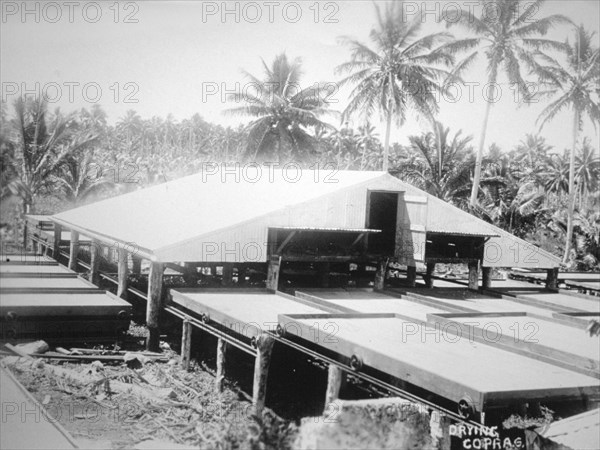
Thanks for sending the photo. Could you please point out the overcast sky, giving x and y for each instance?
(181, 57)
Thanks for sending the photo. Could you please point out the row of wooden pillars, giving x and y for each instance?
(262, 362)
(155, 278)
(473, 276)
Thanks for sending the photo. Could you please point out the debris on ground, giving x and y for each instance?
(138, 399)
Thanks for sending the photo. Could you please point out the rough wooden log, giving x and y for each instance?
(379, 283)
(473, 275)
(241, 268)
(264, 345)
(221, 358)
(186, 344)
(486, 277)
(552, 278)
(57, 240)
(439, 426)
(411, 275)
(227, 278)
(136, 265)
(73, 250)
(155, 291)
(273, 273)
(95, 255)
(123, 272)
(335, 376)
(429, 274)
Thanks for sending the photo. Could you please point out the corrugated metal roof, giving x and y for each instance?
(171, 221)
(191, 207)
(580, 432)
(463, 233)
(349, 230)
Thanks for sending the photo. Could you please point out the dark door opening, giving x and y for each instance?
(382, 215)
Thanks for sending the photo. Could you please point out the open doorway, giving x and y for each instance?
(382, 215)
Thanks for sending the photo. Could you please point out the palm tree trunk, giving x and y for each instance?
(26, 210)
(477, 175)
(386, 146)
(571, 202)
(438, 141)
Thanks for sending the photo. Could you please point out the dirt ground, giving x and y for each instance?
(147, 404)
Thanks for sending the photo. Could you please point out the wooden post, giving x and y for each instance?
(73, 250)
(439, 426)
(552, 279)
(186, 344)
(122, 273)
(379, 283)
(273, 273)
(227, 278)
(155, 284)
(136, 265)
(264, 346)
(429, 274)
(95, 255)
(325, 270)
(473, 275)
(221, 349)
(241, 274)
(335, 376)
(57, 238)
(486, 277)
(411, 275)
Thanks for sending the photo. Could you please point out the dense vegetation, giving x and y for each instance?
(550, 196)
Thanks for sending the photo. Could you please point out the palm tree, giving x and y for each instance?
(130, 126)
(587, 171)
(508, 41)
(572, 85)
(421, 168)
(74, 177)
(402, 71)
(284, 113)
(41, 147)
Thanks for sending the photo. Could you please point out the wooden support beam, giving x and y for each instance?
(95, 255)
(273, 273)
(136, 265)
(429, 274)
(358, 239)
(186, 344)
(227, 277)
(264, 346)
(122, 270)
(380, 274)
(473, 275)
(154, 307)
(552, 278)
(486, 277)
(335, 377)
(221, 349)
(285, 242)
(439, 426)
(411, 275)
(73, 250)
(57, 239)
(241, 267)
